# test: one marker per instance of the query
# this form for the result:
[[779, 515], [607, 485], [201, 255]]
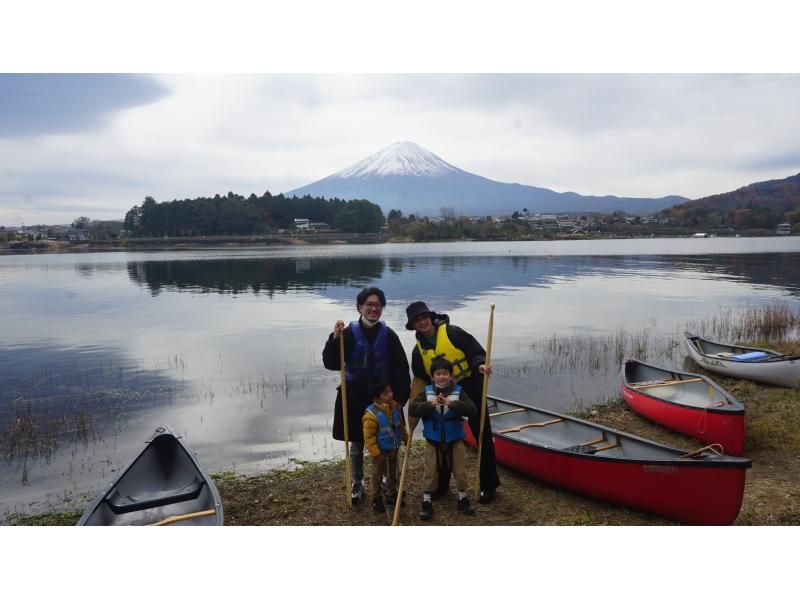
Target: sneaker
[[464, 506], [426, 512], [384, 487], [357, 492], [487, 496], [377, 505]]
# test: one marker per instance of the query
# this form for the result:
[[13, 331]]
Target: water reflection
[[251, 275], [448, 279]]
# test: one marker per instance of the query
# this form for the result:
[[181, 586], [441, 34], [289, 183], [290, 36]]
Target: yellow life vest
[[446, 349]]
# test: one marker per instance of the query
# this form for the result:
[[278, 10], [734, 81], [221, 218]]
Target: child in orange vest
[[384, 430]]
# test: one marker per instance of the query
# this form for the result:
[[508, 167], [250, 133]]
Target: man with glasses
[[372, 351]]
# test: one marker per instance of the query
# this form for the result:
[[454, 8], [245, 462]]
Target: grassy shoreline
[[313, 494]]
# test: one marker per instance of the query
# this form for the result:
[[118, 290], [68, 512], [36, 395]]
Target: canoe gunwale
[[728, 461]]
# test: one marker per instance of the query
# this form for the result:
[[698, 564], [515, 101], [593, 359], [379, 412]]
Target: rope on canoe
[[715, 448]]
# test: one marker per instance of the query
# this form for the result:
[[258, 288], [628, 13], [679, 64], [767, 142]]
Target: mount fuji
[[407, 177]]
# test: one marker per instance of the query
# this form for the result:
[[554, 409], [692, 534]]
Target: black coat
[[357, 395]]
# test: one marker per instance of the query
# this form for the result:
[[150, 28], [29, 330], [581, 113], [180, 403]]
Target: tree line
[[233, 214]]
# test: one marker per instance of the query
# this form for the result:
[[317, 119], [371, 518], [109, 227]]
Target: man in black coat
[[437, 337], [372, 351]]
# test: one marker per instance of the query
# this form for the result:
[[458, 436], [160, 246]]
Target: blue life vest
[[444, 425], [390, 436], [367, 360]]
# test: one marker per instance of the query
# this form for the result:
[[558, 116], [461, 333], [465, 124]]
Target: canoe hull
[[683, 490], [720, 421], [164, 480], [705, 425], [778, 370]]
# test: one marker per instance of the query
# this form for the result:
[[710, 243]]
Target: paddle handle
[[176, 518], [348, 482], [487, 363], [402, 482]]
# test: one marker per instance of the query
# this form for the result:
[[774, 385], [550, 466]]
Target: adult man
[[372, 351], [436, 337]]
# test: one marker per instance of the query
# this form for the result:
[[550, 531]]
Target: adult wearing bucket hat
[[436, 337], [372, 351]]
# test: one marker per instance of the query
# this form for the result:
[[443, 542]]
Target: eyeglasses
[[371, 305]]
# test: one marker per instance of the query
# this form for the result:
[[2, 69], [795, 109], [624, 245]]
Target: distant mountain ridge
[[777, 194], [405, 176], [759, 205]]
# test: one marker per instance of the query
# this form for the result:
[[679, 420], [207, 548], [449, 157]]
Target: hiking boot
[[426, 512], [377, 505], [487, 496], [357, 492], [464, 506]]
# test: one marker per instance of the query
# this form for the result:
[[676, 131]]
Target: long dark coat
[[357, 395]]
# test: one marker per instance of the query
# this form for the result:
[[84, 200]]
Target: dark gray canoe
[[165, 481]]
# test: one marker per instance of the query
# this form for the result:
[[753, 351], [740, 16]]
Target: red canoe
[[700, 487], [687, 403]]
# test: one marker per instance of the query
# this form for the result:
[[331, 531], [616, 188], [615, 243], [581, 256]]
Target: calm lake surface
[[224, 346]]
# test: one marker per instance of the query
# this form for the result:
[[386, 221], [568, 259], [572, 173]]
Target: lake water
[[224, 346]]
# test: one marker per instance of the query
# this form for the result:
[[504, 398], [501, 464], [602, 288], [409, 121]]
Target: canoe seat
[[120, 503]]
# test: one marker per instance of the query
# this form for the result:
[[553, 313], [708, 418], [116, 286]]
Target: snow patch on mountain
[[403, 158]]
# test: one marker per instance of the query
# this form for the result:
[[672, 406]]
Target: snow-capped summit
[[409, 178], [403, 158]]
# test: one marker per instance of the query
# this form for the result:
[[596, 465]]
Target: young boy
[[442, 407], [384, 429]]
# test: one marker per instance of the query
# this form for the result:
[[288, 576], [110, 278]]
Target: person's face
[[386, 395], [423, 324], [371, 309], [441, 377]]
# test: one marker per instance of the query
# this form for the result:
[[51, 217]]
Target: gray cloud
[[38, 104]]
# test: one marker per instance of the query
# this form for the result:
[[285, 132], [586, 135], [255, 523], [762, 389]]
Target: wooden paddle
[[175, 518], [664, 383], [487, 364], [402, 481], [417, 386], [343, 381]]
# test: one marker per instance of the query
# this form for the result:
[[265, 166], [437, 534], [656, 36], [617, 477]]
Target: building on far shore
[[306, 224], [783, 229]]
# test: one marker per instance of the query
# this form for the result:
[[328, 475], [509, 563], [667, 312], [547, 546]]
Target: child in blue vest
[[384, 430], [443, 406]]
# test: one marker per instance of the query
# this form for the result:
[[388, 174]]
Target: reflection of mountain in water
[[446, 281]]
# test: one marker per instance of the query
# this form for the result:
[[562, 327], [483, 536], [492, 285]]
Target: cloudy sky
[[95, 145]]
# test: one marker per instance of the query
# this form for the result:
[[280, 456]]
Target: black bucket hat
[[416, 309]]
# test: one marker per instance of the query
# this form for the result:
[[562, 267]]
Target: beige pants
[[436, 454]]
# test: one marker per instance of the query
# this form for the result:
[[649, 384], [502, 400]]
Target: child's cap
[[440, 363]]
